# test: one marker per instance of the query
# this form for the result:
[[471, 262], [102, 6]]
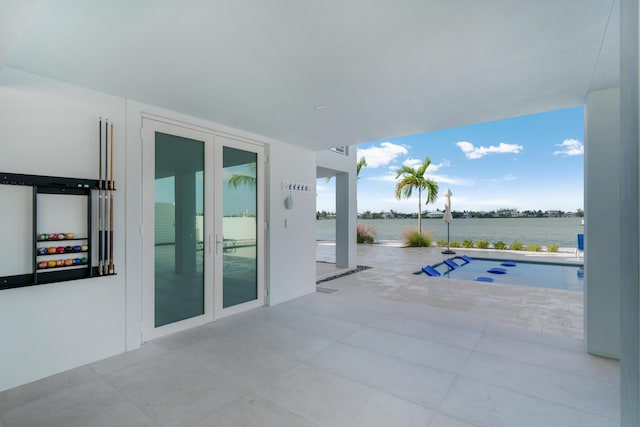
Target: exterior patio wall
[[292, 232], [630, 218], [49, 127], [344, 167], [601, 225]]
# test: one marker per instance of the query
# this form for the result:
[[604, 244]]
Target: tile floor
[[389, 348]]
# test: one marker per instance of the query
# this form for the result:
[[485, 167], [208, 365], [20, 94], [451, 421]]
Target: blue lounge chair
[[451, 263], [430, 271], [580, 247], [465, 258]]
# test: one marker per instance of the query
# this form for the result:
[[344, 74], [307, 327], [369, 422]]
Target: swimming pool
[[546, 275]]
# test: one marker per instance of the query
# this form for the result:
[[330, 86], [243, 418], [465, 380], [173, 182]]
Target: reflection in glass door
[[179, 243], [239, 224], [203, 248], [177, 259]]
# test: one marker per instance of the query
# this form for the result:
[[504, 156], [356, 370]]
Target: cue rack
[[64, 255]]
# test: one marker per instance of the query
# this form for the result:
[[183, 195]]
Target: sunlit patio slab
[[388, 347]]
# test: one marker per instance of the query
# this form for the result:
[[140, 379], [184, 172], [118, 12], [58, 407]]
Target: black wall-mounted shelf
[[48, 182], [54, 186]]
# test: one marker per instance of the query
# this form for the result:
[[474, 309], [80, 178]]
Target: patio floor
[[388, 348]]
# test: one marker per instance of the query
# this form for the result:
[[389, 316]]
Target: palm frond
[[239, 180]]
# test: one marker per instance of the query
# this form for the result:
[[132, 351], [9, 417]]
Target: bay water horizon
[[537, 231]]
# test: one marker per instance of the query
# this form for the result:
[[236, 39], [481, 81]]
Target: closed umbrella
[[448, 217]]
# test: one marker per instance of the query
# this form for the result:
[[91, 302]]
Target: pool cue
[[111, 207], [105, 253], [100, 204]]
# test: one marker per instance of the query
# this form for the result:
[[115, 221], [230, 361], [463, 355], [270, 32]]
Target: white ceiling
[[381, 68]]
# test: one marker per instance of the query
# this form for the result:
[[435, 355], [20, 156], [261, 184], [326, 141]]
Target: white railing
[[341, 150]]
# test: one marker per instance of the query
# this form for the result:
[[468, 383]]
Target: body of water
[[541, 231]]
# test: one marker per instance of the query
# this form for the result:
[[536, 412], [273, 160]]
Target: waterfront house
[[276, 85]]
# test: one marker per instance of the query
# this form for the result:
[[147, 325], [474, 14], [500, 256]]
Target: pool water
[[546, 275]]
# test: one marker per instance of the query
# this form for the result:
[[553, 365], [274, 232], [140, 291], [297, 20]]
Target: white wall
[[630, 218], [291, 249], [50, 128], [602, 227]]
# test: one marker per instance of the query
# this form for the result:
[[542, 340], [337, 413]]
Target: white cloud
[[381, 155], [504, 179], [435, 166], [473, 152], [389, 177], [451, 180], [570, 147], [412, 163]]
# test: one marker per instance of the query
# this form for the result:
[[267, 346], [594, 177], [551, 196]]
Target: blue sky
[[525, 163]]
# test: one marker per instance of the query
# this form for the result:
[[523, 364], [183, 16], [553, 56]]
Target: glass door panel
[[178, 229], [239, 225]]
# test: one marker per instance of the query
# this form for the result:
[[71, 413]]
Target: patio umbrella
[[448, 217]]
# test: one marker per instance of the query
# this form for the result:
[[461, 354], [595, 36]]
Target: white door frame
[[227, 141], [149, 128], [213, 224]]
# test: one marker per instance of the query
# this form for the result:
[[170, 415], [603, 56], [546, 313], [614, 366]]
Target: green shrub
[[412, 237], [467, 243], [365, 233], [534, 248], [482, 244], [516, 246], [552, 248], [500, 245], [454, 244], [441, 243]]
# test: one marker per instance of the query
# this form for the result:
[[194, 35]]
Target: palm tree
[[247, 180], [361, 163], [415, 179]]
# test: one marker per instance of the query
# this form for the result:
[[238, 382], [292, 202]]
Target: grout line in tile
[[536, 397]]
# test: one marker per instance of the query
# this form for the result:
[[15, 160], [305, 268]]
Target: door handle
[[209, 244], [218, 243]]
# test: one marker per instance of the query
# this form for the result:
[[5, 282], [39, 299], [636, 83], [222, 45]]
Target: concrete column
[[346, 220], [630, 216], [602, 209]]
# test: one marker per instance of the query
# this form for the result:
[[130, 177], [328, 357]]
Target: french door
[[202, 243]]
